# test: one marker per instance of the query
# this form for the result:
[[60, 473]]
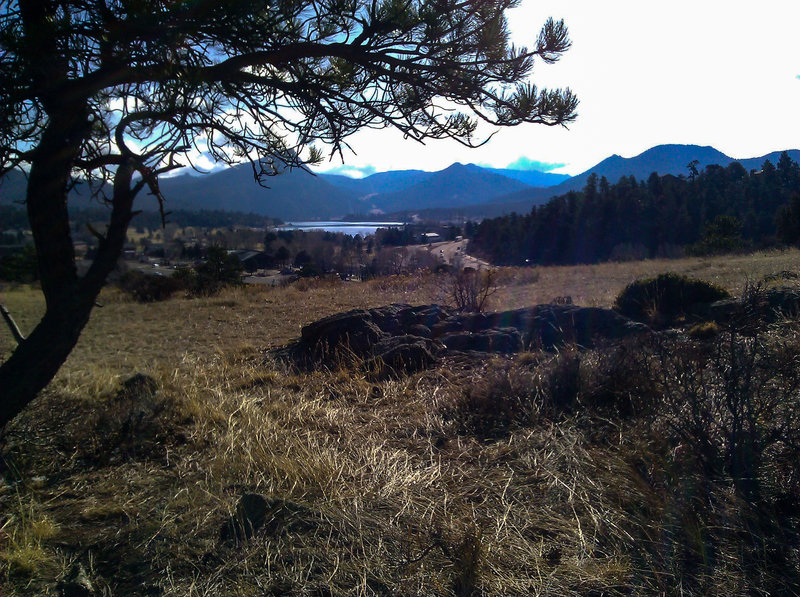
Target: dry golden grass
[[598, 285], [399, 501], [135, 336]]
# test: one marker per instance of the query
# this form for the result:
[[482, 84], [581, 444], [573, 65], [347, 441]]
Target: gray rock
[[724, 310], [429, 315], [420, 330], [501, 340], [389, 319], [555, 325], [397, 338], [353, 330], [772, 304], [399, 318], [402, 354], [783, 301]]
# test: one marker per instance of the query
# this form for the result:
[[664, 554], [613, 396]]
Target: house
[[431, 237], [253, 260]]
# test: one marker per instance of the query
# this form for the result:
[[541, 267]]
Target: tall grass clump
[[724, 426]]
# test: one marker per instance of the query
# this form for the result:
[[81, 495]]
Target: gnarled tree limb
[[12, 325]]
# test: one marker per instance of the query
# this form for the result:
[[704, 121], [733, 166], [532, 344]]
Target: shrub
[[469, 289], [500, 399], [733, 403], [310, 270], [220, 269], [723, 235], [616, 380], [704, 331], [20, 267], [147, 288], [663, 299], [563, 381], [517, 394]]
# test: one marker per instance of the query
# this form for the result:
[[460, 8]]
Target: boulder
[[774, 303], [354, 330], [429, 315], [783, 302], [400, 338], [722, 311], [399, 318], [420, 330], [501, 340], [555, 325], [403, 354], [389, 319]]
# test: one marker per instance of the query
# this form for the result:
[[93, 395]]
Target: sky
[[724, 73]]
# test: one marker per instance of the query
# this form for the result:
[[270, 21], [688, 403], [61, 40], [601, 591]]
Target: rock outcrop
[[767, 306], [402, 339]]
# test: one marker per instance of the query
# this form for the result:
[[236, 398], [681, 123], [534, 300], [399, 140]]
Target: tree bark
[[37, 360], [69, 299]]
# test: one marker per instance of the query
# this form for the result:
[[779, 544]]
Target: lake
[[351, 228]]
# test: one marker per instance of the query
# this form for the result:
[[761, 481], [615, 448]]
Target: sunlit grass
[[400, 499]]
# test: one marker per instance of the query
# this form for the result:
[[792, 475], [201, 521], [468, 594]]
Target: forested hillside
[[714, 210]]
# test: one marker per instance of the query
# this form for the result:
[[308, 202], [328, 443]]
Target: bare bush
[[733, 401], [498, 400], [469, 290], [511, 394], [615, 380]]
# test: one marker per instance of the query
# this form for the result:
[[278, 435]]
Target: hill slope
[[456, 186], [379, 183], [473, 191], [292, 195], [534, 178]]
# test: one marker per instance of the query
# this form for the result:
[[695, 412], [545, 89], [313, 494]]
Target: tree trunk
[[69, 299], [37, 360]]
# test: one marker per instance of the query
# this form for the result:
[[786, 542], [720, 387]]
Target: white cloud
[[706, 73], [524, 163], [349, 171]]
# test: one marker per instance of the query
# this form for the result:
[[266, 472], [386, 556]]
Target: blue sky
[[708, 72]]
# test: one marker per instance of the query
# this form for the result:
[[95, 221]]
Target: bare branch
[[12, 325]]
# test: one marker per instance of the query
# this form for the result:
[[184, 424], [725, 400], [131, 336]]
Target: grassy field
[[421, 485]]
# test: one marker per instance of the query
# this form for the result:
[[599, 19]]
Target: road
[[451, 252]]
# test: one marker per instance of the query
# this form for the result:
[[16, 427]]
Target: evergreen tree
[[120, 92], [787, 221]]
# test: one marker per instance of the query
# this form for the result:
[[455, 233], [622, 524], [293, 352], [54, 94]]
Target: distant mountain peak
[[667, 159], [470, 188]]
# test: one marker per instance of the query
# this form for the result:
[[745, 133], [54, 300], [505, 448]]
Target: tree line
[[16, 217], [718, 209]]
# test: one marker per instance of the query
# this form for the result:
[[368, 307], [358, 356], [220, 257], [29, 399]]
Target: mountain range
[[466, 190]]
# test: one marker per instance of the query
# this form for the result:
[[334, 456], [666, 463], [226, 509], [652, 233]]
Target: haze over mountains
[[466, 190]]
